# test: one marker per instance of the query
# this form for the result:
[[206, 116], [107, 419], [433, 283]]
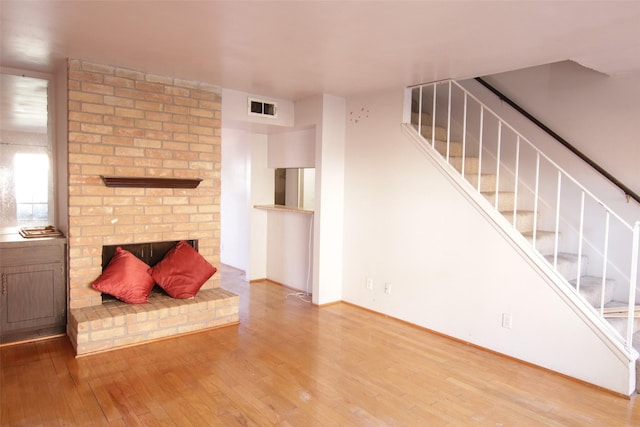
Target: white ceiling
[[294, 49]]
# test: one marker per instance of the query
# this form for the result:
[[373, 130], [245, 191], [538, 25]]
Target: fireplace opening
[[151, 253]]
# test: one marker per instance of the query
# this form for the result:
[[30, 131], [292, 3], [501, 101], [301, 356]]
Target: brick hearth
[[117, 324]]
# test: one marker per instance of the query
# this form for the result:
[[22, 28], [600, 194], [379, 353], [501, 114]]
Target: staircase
[[466, 157], [591, 287]]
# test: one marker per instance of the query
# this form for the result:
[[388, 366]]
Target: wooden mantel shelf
[[150, 182]]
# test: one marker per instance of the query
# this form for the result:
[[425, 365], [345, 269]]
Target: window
[[26, 179], [31, 172]]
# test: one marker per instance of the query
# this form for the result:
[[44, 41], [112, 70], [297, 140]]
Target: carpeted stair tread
[[455, 148], [620, 325], [567, 265], [506, 199], [524, 220], [427, 132], [487, 181], [591, 288], [545, 241], [471, 164]]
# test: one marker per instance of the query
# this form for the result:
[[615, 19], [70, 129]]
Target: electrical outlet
[[506, 320], [387, 288], [369, 283]]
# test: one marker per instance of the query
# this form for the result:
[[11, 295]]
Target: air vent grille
[[258, 107]]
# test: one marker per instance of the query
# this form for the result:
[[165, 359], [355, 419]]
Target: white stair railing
[[445, 113]]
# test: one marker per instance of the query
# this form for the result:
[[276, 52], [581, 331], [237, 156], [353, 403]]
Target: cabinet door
[[33, 298]]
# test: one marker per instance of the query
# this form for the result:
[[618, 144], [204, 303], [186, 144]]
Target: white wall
[[327, 113], [289, 249], [235, 198], [292, 149], [262, 190], [308, 189], [449, 270]]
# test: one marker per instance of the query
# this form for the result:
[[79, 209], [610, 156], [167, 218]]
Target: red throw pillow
[[126, 278], [182, 271]]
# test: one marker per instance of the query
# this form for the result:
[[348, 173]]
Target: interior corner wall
[[449, 269]]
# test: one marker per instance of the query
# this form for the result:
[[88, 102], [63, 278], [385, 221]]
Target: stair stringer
[[587, 314]]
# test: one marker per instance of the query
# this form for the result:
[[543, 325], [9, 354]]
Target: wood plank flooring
[[289, 363]]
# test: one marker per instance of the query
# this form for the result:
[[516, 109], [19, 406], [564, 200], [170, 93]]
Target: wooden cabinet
[[33, 297]]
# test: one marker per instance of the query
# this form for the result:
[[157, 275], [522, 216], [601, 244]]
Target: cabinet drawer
[[37, 254]]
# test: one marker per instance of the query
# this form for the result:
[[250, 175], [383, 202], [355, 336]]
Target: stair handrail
[[628, 192], [543, 155], [633, 228]]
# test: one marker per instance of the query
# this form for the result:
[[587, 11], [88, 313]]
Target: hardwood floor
[[292, 364]]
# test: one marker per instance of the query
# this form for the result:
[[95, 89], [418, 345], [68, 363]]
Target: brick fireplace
[[123, 122]]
